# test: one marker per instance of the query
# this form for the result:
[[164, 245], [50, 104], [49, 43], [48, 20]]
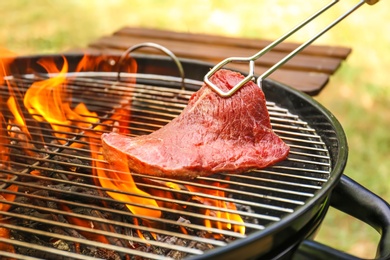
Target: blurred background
[[358, 94]]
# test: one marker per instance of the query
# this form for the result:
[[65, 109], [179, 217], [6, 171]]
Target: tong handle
[[251, 60]]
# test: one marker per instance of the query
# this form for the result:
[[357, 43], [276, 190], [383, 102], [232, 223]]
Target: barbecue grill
[[61, 200], [60, 210]]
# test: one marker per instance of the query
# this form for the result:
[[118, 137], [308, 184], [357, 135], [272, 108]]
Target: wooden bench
[[309, 71]]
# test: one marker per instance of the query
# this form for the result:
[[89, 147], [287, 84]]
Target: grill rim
[[308, 210]]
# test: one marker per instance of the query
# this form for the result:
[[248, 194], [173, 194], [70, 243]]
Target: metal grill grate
[[39, 225]]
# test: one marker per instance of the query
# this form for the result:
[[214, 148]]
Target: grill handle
[[355, 200]]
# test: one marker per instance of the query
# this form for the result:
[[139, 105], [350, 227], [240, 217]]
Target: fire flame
[[120, 179], [50, 100], [230, 217], [18, 118], [6, 57], [17, 127], [4, 232], [8, 197], [4, 151], [123, 181]]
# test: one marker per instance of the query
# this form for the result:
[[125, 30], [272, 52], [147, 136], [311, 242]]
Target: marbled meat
[[213, 134]]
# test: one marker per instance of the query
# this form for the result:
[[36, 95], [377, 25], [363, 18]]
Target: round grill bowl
[[289, 235]]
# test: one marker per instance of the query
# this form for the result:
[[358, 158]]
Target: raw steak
[[212, 134]]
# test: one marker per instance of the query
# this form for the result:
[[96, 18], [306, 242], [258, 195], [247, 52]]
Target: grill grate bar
[[310, 178], [259, 180], [309, 148], [270, 197], [243, 202], [102, 232], [100, 82], [300, 170], [238, 192], [119, 90], [308, 161], [313, 156], [124, 213], [45, 249], [81, 241], [199, 216], [306, 141], [309, 132], [262, 197], [297, 134], [276, 112]]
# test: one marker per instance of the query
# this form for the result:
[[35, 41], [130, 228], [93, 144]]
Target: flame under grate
[[60, 211]]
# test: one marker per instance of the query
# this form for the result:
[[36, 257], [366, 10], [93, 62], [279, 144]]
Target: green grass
[[358, 94]]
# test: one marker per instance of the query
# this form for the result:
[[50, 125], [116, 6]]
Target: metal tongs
[[251, 60]]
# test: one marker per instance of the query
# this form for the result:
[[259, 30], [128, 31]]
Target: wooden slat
[[318, 50], [309, 71], [216, 53]]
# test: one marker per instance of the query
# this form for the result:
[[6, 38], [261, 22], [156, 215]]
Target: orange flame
[[8, 197], [20, 132], [4, 151], [50, 100], [4, 157], [17, 127], [119, 178], [4, 232], [18, 118], [6, 57], [230, 217]]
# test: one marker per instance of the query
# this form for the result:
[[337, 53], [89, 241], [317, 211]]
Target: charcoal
[[67, 177], [103, 253], [83, 194]]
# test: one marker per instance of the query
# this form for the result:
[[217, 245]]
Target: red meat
[[212, 135]]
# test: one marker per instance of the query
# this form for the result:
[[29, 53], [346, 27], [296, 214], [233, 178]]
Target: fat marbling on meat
[[213, 134]]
